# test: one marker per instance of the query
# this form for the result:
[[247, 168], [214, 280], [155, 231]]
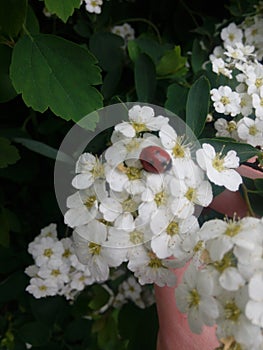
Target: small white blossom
[[42, 288], [194, 296], [231, 34], [225, 100], [219, 169], [93, 6], [226, 128], [251, 131]]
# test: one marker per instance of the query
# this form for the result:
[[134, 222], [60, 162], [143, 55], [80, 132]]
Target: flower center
[[90, 202], [252, 130], [136, 237], [55, 272], [232, 312], [133, 173], [231, 37], [218, 163], [154, 263], [129, 205], [231, 126], [98, 170], [43, 288], [94, 248], [132, 145], [258, 82], [191, 194], [227, 261], [194, 298], [233, 229], [48, 252], [160, 198], [139, 127], [173, 228], [67, 253], [225, 100], [178, 151]]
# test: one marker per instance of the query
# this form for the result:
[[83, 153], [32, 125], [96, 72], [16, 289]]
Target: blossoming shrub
[[59, 62]]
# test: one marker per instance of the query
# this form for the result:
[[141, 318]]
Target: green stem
[[145, 21], [245, 192], [27, 32]]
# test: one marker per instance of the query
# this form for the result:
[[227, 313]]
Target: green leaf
[[13, 286], [8, 153], [259, 184], [171, 63], [45, 150], [53, 72], [4, 228], [244, 150], [100, 297], [197, 105], [31, 24], [176, 99], [7, 91], [133, 50], [151, 47], [63, 9], [198, 56], [107, 49], [110, 82], [145, 78], [12, 16], [35, 333]]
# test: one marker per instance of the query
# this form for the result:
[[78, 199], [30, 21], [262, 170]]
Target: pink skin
[[174, 332]]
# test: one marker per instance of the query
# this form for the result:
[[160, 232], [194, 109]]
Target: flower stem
[[245, 192]]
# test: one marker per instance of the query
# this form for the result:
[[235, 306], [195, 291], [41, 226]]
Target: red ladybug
[[154, 159]]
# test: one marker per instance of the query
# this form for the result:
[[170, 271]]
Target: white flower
[[219, 66], [174, 145], [254, 79], [254, 307], [169, 234], [157, 195], [81, 279], [194, 296], [190, 190], [57, 274], [251, 131], [219, 169], [257, 102], [49, 251], [231, 34], [131, 288], [141, 119], [225, 100], [48, 231], [148, 268], [92, 249], [42, 288], [93, 6], [226, 128], [89, 168], [125, 31], [233, 322], [119, 209], [129, 178], [246, 107]]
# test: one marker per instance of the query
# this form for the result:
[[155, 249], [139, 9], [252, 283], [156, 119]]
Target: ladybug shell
[[155, 160]]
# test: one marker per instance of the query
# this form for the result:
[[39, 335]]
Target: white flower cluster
[[93, 6], [239, 59], [125, 31], [227, 287], [131, 290], [57, 270], [124, 213]]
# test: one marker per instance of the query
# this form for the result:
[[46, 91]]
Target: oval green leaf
[[197, 105], [145, 78], [55, 73], [63, 9]]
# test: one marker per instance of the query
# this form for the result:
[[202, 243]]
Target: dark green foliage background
[[35, 114]]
